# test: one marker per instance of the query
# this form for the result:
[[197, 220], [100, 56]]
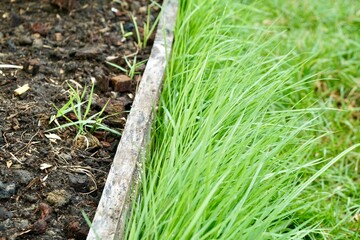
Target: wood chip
[[9, 163], [52, 137], [45, 166], [121, 83], [58, 37], [22, 89]]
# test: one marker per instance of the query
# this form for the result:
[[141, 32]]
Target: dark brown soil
[[45, 183]]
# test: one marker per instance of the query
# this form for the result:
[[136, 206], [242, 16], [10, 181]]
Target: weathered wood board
[[108, 222]]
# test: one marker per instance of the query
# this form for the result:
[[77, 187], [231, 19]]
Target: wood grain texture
[[109, 219]]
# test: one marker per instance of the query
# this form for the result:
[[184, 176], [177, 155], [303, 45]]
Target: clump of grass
[[80, 107], [132, 66], [237, 151], [329, 37], [148, 26]]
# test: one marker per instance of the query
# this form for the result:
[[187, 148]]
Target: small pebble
[[58, 198], [58, 37], [11, 46], [135, 6], [37, 43], [7, 190], [143, 10], [121, 83], [21, 224], [45, 210], [40, 28], [25, 40], [124, 5], [79, 182], [128, 27], [23, 176], [70, 66], [39, 226], [30, 198], [5, 214], [15, 20], [58, 29], [77, 230]]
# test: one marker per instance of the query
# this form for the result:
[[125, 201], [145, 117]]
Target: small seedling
[[88, 222], [137, 31], [84, 122], [123, 33], [132, 66], [118, 67], [148, 29]]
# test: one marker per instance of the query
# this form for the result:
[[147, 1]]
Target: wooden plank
[[108, 222]]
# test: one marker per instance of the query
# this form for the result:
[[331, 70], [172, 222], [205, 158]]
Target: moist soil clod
[[46, 181]]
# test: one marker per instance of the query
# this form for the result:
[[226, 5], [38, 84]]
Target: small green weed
[[148, 28], [123, 33], [84, 122], [132, 66], [88, 222]]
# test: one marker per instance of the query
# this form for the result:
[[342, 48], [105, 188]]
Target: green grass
[[256, 135], [147, 26], [132, 66], [79, 104]]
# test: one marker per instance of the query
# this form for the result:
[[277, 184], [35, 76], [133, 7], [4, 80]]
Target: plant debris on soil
[[48, 178]]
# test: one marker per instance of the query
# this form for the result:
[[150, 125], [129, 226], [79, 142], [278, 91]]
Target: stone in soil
[[77, 230], [31, 198], [39, 226], [7, 224], [121, 83], [58, 198], [25, 40], [21, 224], [5, 214], [45, 210], [15, 20], [23, 176], [40, 28], [7, 190], [79, 182], [102, 80], [113, 106], [37, 43]]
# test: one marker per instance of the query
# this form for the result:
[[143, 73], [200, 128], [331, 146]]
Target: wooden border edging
[[108, 223]]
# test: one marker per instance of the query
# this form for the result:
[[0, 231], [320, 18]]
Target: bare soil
[[46, 184]]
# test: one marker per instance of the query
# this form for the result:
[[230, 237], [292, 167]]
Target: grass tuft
[[80, 107], [256, 136]]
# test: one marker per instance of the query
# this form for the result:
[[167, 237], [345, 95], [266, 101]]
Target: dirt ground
[[46, 183]]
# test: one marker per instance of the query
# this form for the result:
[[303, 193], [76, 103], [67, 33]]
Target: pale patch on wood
[[109, 219]]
